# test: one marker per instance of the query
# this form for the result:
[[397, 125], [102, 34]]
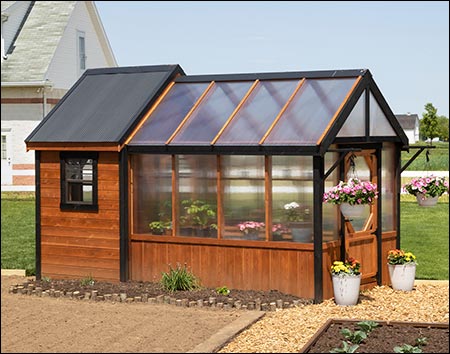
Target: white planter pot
[[426, 201], [352, 211], [402, 276], [346, 289]]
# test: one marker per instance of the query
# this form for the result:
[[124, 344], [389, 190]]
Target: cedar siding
[[78, 244]]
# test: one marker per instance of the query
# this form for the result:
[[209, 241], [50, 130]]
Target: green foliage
[[89, 280], [429, 122], [443, 128], [179, 278], [345, 348], [422, 341], [46, 279], [406, 348], [198, 214], [18, 233], [355, 337], [367, 326], [158, 227], [223, 290]]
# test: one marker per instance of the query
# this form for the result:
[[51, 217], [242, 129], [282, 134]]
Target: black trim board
[[123, 214]]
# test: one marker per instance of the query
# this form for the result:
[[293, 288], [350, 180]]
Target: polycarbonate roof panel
[[379, 124], [168, 115], [355, 124], [212, 113], [309, 113], [257, 113]]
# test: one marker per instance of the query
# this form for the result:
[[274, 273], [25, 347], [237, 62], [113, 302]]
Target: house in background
[[410, 124], [46, 47]]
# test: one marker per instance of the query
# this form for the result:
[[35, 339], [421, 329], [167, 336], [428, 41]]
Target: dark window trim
[[63, 185]]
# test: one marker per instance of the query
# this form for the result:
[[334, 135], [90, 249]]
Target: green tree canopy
[[443, 128], [429, 123]]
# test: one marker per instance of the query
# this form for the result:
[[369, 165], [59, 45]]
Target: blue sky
[[405, 45]]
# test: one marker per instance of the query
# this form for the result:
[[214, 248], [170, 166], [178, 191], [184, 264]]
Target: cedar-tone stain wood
[[78, 244]]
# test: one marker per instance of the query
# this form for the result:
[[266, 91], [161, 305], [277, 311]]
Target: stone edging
[[30, 289]]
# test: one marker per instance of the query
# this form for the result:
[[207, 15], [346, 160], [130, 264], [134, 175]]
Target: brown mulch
[[288, 331], [147, 290]]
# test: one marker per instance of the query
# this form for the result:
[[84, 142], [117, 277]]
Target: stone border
[[10, 272], [257, 305]]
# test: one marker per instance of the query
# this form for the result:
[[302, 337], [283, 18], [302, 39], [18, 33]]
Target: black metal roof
[[104, 105]]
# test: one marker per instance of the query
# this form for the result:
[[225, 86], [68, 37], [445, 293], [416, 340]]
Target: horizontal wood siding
[[288, 270], [77, 244]]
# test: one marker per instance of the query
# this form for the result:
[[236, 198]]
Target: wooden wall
[[232, 264], [80, 244]]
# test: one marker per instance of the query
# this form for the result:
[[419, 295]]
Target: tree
[[443, 128], [429, 123]]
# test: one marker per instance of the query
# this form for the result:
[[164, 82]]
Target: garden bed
[[133, 291], [383, 338]]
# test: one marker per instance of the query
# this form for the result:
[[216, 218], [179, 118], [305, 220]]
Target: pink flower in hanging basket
[[431, 186], [354, 192]]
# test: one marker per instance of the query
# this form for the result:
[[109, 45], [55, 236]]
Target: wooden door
[[360, 232]]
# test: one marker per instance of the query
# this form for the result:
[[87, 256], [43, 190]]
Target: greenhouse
[[141, 167]]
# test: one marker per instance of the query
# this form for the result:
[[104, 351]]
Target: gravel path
[[287, 331]]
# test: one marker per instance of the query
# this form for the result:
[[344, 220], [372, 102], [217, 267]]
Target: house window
[[79, 181], [81, 51]]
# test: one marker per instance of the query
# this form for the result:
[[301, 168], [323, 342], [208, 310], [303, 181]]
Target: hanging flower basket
[[352, 211], [352, 196], [427, 189]]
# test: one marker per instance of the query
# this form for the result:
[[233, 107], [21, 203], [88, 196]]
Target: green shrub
[[179, 278]]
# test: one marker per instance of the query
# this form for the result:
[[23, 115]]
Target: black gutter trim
[[225, 150], [398, 178], [318, 174], [135, 69], [274, 75], [37, 196], [123, 214]]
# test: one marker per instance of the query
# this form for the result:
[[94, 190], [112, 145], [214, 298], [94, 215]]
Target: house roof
[[407, 121], [284, 112], [104, 105], [49, 17]]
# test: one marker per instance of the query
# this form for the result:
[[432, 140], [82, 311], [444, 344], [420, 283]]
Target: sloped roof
[[407, 121], [274, 113], [104, 105], [6, 4], [49, 17]]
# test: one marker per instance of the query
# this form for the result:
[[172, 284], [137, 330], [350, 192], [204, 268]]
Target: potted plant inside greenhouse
[[298, 221], [427, 190], [199, 218]]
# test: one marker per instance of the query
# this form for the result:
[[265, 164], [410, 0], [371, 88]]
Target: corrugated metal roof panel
[[103, 105]]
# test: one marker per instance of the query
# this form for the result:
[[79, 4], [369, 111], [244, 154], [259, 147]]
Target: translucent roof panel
[[355, 125], [257, 113], [165, 119], [309, 113], [212, 113], [379, 124]]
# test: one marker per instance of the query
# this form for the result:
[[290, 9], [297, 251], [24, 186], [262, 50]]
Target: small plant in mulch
[[179, 278], [89, 280], [353, 339], [223, 290]]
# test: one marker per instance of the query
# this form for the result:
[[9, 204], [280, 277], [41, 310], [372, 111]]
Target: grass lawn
[[438, 158], [424, 231]]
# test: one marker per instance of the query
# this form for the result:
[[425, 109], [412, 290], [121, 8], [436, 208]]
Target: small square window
[[79, 181]]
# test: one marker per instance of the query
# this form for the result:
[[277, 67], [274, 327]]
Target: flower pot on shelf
[[346, 289], [402, 276], [352, 211], [301, 231], [424, 201], [252, 235]]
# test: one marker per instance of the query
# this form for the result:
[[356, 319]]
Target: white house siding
[[63, 69], [411, 135], [15, 12], [20, 119]]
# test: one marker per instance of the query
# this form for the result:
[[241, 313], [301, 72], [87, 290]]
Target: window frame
[[80, 205], [81, 56]]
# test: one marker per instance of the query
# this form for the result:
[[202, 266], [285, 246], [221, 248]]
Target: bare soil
[[32, 324], [384, 338]]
